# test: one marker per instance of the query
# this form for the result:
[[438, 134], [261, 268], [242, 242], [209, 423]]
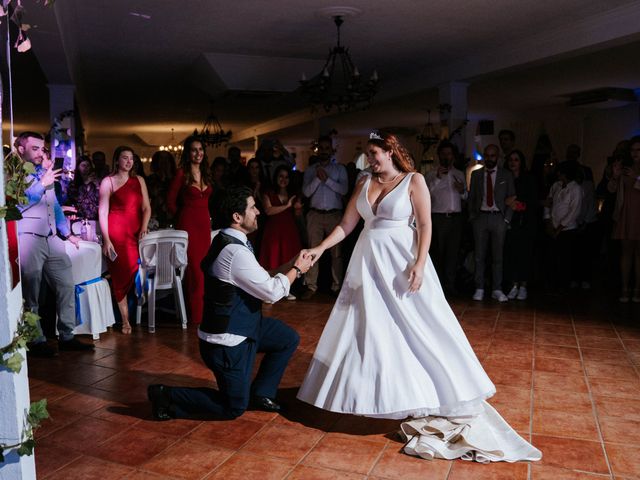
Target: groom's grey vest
[[227, 308], [40, 218]]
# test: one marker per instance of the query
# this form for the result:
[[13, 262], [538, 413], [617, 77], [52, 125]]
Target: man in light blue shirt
[[325, 184], [42, 232]]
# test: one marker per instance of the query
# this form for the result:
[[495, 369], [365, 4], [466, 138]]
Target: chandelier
[[430, 137], [339, 84], [212, 133], [173, 147]]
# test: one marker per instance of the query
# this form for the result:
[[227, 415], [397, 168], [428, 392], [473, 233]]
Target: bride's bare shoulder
[[418, 181], [361, 181]]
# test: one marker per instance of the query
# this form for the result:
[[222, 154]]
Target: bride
[[392, 347]]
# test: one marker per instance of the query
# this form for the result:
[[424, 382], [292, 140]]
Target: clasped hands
[[311, 254], [322, 174]]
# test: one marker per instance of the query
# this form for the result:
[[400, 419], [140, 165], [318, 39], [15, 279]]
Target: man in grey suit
[[42, 232], [491, 193]]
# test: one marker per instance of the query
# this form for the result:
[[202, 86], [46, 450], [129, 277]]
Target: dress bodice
[[394, 210], [127, 199]]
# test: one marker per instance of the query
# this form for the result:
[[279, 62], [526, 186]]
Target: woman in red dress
[[281, 240], [188, 201], [124, 213]]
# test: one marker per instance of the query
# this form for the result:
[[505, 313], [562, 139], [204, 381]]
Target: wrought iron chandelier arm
[[342, 89]]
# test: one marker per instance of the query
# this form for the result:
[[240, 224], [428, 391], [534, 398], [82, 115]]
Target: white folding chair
[[163, 260]]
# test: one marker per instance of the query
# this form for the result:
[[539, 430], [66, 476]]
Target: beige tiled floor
[[566, 370]]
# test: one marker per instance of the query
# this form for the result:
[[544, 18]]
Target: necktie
[[489, 188], [249, 246]]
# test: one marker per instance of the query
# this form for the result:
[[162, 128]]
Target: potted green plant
[[16, 182]]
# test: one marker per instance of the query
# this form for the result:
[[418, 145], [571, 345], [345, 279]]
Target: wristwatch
[[298, 271]]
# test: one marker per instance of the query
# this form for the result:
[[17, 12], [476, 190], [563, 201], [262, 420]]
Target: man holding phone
[[42, 232], [447, 189]]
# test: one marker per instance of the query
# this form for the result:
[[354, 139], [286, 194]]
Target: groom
[[233, 329]]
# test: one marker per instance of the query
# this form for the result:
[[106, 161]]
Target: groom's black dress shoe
[[160, 402], [266, 404]]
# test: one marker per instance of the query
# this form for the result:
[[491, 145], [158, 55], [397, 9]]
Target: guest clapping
[[124, 213], [281, 240]]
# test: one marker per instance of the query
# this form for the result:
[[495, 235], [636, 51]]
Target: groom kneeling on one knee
[[233, 329]]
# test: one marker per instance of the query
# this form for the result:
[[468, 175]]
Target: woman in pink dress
[[124, 213], [188, 201], [280, 240]]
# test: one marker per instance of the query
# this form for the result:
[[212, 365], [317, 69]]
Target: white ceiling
[[145, 66]]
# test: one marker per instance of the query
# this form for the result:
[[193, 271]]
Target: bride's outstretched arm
[[345, 227], [421, 202]]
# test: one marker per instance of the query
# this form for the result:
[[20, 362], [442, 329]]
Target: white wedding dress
[[387, 353]]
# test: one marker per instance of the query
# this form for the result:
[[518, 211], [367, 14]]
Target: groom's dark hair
[[233, 201]]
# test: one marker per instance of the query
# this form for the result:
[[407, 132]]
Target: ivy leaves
[[16, 182], [37, 413], [27, 331], [11, 359]]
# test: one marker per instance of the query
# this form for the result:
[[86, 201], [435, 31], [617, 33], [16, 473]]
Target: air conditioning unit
[[606, 97]]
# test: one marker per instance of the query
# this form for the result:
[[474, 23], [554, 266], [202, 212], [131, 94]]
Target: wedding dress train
[[387, 353]]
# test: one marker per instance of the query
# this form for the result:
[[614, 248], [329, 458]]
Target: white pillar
[[61, 99], [14, 387], [455, 94]]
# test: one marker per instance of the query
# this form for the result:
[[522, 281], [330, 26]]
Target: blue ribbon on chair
[[138, 280], [80, 290]]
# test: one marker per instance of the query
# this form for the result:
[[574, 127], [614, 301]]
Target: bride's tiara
[[375, 136]]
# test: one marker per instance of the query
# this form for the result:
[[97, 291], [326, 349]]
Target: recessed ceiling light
[[344, 12], [140, 15]]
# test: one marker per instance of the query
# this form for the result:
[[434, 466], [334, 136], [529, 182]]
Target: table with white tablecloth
[[94, 309]]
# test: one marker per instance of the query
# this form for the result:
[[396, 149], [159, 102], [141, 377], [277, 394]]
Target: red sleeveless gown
[[125, 220], [191, 206]]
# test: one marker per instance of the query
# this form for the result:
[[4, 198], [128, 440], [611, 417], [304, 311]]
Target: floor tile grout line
[[594, 409], [61, 467], [635, 367], [375, 463], [300, 462], [180, 438], [449, 471]]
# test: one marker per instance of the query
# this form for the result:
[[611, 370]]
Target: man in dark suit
[[491, 193], [233, 329]]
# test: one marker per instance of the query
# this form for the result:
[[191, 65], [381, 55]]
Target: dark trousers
[[489, 228], [566, 257], [445, 246], [589, 243], [232, 367], [518, 254]]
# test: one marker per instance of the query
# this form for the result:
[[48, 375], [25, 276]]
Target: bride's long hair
[[399, 155]]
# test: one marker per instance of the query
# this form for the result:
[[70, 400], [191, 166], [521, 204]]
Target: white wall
[[603, 129], [14, 387]]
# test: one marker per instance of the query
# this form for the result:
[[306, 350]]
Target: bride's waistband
[[385, 223]]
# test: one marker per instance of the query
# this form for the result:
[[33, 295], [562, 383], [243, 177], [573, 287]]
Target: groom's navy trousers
[[232, 367]]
